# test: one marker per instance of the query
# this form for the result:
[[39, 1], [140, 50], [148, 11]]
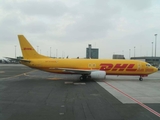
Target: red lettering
[[117, 67], [130, 67], [106, 67], [121, 67]]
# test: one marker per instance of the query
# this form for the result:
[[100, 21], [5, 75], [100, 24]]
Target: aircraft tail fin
[[27, 50]]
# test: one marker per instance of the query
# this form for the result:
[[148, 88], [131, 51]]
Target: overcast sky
[[68, 26]]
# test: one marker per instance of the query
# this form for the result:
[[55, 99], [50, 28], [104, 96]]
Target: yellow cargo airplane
[[87, 68]]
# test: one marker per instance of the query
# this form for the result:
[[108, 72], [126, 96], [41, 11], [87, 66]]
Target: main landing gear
[[84, 77], [140, 78]]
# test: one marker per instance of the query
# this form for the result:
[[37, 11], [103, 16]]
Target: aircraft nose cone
[[155, 69]]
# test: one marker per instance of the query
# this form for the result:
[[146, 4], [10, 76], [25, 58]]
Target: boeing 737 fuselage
[[87, 68]]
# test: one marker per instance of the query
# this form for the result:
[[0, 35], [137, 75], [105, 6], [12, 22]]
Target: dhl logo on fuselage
[[117, 67], [27, 49]]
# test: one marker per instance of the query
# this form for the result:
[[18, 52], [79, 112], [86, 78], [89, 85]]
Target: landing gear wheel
[[83, 77], [140, 79], [89, 77]]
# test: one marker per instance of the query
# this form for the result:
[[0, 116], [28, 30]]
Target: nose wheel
[[140, 78]]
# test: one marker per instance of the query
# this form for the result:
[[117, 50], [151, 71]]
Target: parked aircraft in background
[[12, 60], [4, 61], [87, 68], [1, 60]]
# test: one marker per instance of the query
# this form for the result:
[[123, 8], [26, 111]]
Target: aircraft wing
[[74, 71]]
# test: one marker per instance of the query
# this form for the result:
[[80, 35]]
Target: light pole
[[15, 51], [122, 52], [152, 53], [62, 55], [37, 48], [129, 53], [155, 43], [134, 51], [56, 53], [152, 50], [50, 51]]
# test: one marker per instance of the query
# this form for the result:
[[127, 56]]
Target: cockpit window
[[148, 65]]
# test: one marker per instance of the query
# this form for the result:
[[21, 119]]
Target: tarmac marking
[[62, 106], [76, 83], [20, 74], [54, 78], [79, 83], [61, 113], [24, 73], [68, 82], [2, 72], [135, 100]]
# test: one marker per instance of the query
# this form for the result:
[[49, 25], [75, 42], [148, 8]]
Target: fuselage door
[[139, 66]]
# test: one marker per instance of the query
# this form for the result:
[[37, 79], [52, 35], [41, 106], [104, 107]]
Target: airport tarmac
[[29, 94]]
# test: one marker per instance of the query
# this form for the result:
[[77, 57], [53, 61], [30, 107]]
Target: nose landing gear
[[140, 78]]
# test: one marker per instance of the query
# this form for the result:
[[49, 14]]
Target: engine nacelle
[[98, 74]]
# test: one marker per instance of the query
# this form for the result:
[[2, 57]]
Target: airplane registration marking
[[117, 67], [51, 61], [27, 49]]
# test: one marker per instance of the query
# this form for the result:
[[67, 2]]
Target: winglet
[[27, 50]]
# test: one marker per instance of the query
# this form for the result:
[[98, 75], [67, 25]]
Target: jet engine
[[98, 74]]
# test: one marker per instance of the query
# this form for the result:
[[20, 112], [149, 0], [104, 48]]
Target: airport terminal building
[[92, 52], [118, 56], [155, 61]]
